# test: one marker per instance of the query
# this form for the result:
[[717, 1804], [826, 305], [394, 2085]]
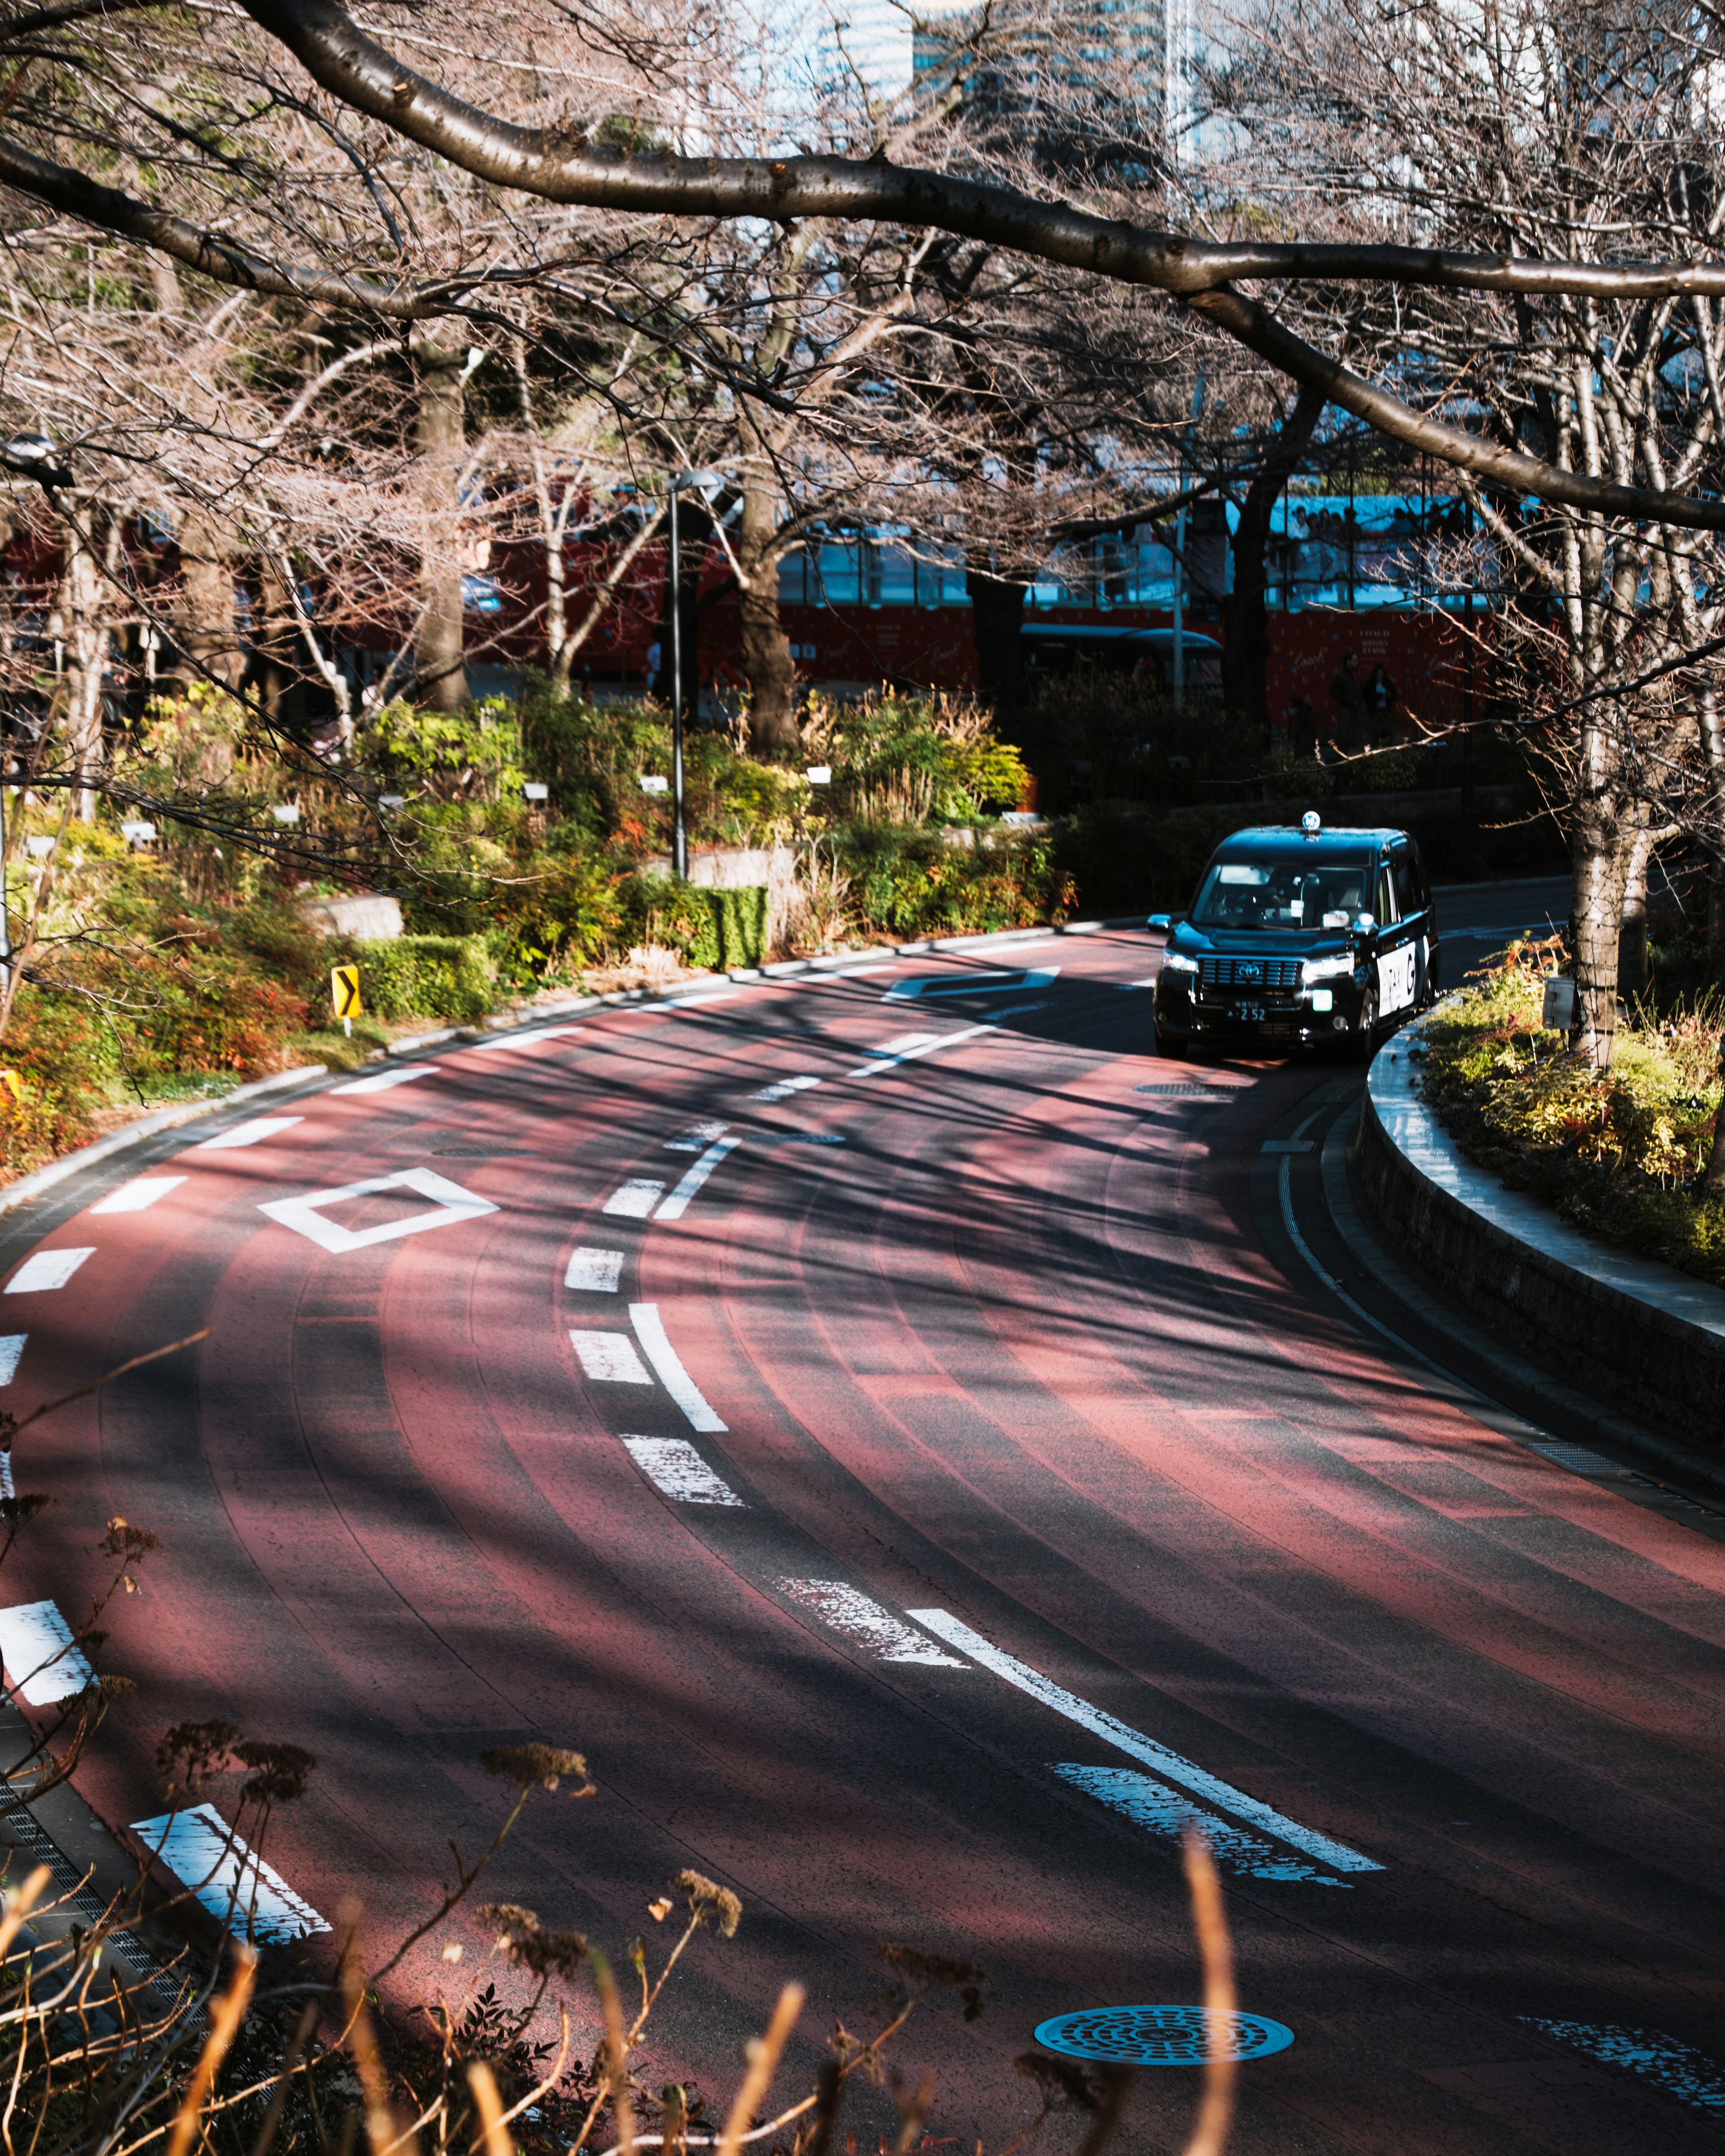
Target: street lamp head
[[700, 482]]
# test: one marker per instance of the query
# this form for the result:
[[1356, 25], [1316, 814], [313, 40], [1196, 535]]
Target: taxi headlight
[[1326, 969], [1177, 961]]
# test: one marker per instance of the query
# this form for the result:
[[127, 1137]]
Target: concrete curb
[[1644, 1337], [161, 1119]]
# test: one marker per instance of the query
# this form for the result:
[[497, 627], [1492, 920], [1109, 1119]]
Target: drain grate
[[1187, 1092], [1161, 2035]]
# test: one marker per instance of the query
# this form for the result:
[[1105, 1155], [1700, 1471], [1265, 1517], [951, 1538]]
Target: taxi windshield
[[1280, 895]]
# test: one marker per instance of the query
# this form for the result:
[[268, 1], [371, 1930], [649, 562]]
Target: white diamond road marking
[[41, 1662], [696, 1137], [635, 1200], [609, 1358], [1006, 983], [254, 1133], [677, 1470], [677, 1204], [782, 1088], [451, 1204], [231, 1881], [1164, 1810], [888, 1638], [594, 1272], [1683, 2072], [12, 1346], [649, 1330], [385, 1079], [45, 1269], [1124, 1739], [136, 1197]]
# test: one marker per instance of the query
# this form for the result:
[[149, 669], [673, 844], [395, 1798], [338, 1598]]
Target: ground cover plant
[[1620, 1152]]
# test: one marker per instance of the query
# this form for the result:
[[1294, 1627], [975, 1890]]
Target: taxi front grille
[[1257, 976]]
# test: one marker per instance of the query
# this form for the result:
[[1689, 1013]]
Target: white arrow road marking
[[1164, 1810], [677, 1204], [635, 1200], [385, 1079], [649, 1330], [1210, 1787], [782, 1088], [594, 1272], [1007, 981], [45, 1269], [609, 1358], [248, 1134], [452, 1204], [674, 1467], [135, 1197], [10, 1347], [42, 1663], [232, 1882], [888, 1638], [910, 1046]]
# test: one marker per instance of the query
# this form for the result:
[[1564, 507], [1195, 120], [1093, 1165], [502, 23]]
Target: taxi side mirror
[[1365, 924], [1162, 921]]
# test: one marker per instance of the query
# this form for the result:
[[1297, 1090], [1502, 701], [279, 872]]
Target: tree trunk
[[84, 635], [1245, 652], [997, 615], [439, 648], [1632, 938], [209, 631], [765, 649], [1597, 865]]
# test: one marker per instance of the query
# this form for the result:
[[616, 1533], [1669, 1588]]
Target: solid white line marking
[[248, 1134], [522, 1039], [635, 1200], [902, 1043], [677, 1470], [47, 1269], [135, 1196], [1683, 2072], [696, 1002], [887, 1637], [10, 1347], [42, 1664], [1284, 1191], [232, 1882], [649, 1330], [609, 1358], [594, 1272], [677, 1204], [908, 1053], [782, 1088], [385, 1079], [1136, 1746], [1164, 1810], [696, 1137], [452, 1204]]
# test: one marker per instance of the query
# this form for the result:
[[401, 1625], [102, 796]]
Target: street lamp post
[[706, 483]]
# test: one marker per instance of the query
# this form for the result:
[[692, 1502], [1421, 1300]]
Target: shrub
[[424, 976]]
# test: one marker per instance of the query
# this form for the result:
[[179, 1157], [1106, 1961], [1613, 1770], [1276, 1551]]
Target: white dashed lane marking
[[12, 1346], [677, 1470], [386, 1078], [1190, 1776], [609, 1358], [1166, 1811], [594, 1271], [523, 1040], [656, 1346], [42, 1663], [45, 1269], [910, 1046], [252, 1133], [853, 1615], [635, 1200], [138, 1196], [782, 1089], [677, 1204], [696, 1137], [231, 1881]]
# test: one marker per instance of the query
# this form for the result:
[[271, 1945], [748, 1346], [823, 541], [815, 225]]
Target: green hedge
[[424, 976], [735, 931]]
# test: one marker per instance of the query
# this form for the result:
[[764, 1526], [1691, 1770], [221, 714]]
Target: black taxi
[[1300, 935]]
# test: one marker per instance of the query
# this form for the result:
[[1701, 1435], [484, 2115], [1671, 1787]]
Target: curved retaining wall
[[1638, 1335]]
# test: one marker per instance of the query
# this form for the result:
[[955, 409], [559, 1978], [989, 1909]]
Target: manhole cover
[[1186, 1092], [1160, 2036]]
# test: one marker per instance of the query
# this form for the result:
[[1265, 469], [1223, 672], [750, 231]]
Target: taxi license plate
[[1249, 1013]]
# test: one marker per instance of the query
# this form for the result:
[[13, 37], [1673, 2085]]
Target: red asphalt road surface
[[1013, 1350]]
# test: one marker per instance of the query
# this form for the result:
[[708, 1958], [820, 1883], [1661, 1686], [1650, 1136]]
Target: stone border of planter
[[1624, 1330]]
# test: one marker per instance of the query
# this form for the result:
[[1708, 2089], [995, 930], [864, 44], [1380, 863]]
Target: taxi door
[[1399, 951]]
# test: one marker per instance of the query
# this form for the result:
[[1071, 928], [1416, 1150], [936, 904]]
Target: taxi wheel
[[1170, 1048], [1365, 1039]]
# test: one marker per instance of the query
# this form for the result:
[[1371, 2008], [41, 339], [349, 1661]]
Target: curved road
[[918, 1480]]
